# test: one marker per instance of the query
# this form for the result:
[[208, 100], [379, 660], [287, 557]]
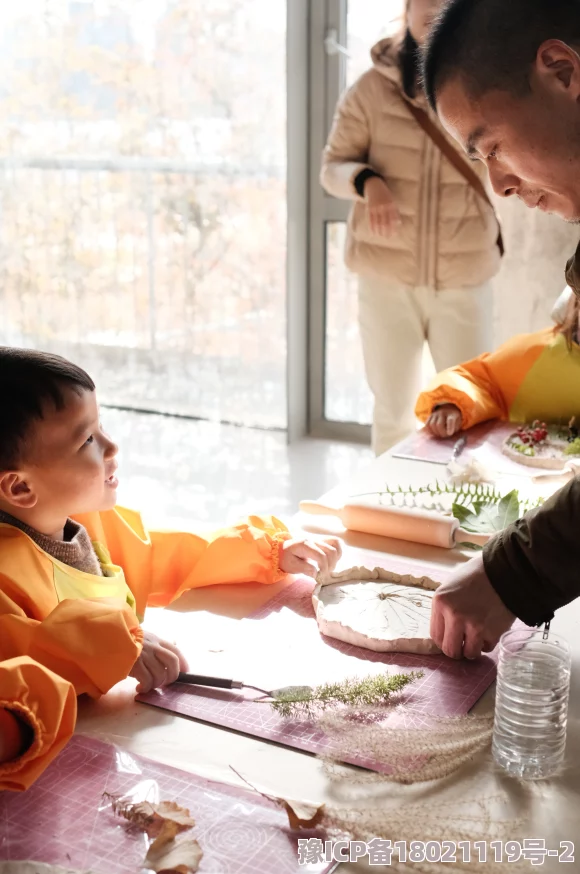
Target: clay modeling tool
[[458, 448], [223, 683], [417, 526]]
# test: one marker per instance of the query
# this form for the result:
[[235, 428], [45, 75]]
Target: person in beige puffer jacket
[[421, 240]]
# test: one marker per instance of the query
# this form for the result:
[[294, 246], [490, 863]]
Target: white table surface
[[550, 810]]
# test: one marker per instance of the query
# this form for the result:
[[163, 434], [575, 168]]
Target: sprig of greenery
[[463, 493], [368, 692], [573, 448], [479, 501]]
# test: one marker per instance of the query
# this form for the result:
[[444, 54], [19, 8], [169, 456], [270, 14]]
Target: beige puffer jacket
[[448, 234]]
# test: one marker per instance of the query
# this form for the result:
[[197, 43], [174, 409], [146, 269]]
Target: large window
[[340, 398], [142, 198]]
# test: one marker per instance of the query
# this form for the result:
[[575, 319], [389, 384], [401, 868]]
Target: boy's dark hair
[[28, 381], [492, 44]]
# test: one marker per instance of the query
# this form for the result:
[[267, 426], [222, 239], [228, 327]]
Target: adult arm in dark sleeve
[[534, 565]]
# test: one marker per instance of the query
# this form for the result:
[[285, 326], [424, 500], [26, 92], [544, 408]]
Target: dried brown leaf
[[175, 857], [300, 815], [152, 817], [167, 833]]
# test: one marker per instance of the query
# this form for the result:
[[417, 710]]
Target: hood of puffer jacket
[[385, 58]]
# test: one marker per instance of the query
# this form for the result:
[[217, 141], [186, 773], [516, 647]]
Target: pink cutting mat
[[423, 446], [484, 443], [64, 820], [282, 642]]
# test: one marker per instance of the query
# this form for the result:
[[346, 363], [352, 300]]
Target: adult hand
[[158, 665], [468, 616], [383, 214], [310, 555], [445, 421]]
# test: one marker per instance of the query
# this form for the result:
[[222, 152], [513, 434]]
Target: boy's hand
[[445, 421], [310, 555], [158, 665], [383, 214]]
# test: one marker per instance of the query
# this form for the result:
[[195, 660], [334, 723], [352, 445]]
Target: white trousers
[[395, 321]]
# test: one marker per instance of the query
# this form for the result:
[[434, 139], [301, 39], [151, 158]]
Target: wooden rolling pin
[[418, 526]]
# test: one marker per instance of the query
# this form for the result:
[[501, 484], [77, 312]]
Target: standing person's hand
[[468, 616], [384, 216], [445, 421]]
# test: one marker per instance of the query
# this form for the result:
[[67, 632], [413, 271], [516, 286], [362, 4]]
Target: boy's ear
[[16, 491]]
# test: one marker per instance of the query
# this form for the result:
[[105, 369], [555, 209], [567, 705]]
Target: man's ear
[[558, 67], [16, 490]]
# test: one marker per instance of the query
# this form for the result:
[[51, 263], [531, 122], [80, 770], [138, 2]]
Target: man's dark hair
[[492, 44], [29, 381]]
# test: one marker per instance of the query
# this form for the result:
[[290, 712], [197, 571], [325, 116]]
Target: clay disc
[[376, 610]]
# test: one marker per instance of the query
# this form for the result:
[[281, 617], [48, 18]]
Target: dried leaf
[[300, 815], [169, 811], [152, 817], [168, 832], [175, 857]]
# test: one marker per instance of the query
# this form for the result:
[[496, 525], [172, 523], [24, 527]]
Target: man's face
[[530, 144]]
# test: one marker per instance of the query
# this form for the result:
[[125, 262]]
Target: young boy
[[37, 717], [532, 376], [76, 572]]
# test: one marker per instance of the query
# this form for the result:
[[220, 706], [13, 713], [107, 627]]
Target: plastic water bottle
[[531, 704]]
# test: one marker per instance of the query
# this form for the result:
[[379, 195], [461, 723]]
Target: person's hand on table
[[468, 616], [158, 665], [309, 555], [383, 214], [445, 421]]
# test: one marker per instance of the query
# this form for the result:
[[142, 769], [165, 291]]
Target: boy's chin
[[109, 499]]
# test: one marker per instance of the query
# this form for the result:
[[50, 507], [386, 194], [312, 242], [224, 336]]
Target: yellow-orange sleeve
[[243, 553], [485, 387], [47, 704], [160, 565], [470, 388], [92, 644]]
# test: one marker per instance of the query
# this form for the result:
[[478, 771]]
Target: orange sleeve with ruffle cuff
[[92, 644], [470, 387], [486, 387], [47, 705], [244, 553]]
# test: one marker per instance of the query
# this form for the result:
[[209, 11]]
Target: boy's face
[[69, 462]]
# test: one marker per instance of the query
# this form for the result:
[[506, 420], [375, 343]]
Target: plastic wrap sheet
[[66, 818]]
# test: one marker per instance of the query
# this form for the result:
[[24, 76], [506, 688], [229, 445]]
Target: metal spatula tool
[[223, 683]]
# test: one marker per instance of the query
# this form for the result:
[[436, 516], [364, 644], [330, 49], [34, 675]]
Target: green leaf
[[461, 512], [488, 517], [509, 509]]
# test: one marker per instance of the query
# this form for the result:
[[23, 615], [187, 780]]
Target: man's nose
[[504, 184]]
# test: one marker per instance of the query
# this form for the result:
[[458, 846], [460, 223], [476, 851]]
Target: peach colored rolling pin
[[418, 526]]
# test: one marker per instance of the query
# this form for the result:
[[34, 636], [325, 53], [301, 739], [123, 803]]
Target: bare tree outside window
[[143, 201]]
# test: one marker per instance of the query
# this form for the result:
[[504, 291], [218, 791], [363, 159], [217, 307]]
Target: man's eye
[[492, 154], [89, 440]]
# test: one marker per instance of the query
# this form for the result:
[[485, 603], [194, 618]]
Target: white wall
[[532, 274]]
